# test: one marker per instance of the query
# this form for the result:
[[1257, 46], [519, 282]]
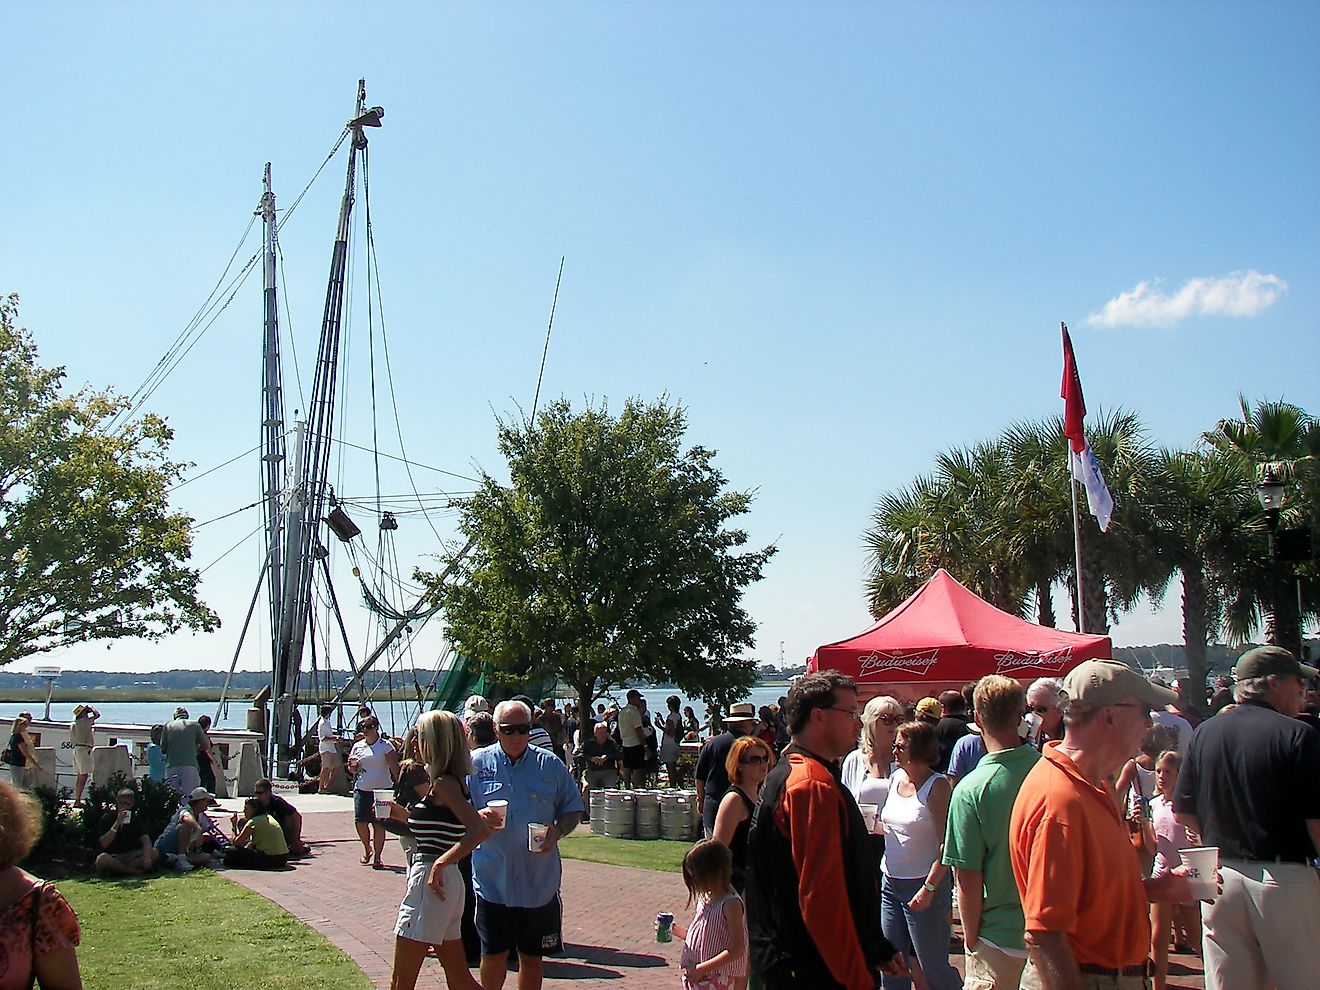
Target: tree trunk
[[1095, 598], [1044, 603], [586, 696], [1194, 635]]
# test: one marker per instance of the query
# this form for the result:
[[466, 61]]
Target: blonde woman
[[20, 761], [446, 828], [866, 769], [749, 761]]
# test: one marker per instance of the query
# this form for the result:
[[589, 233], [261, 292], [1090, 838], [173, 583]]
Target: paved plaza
[[609, 912]]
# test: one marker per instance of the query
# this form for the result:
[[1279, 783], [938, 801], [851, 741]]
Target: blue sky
[[842, 235]]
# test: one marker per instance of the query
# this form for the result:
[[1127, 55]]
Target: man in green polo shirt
[[976, 840]]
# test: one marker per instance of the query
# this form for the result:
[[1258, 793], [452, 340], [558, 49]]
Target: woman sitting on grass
[[446, 828], [39, 932], [260, 844]]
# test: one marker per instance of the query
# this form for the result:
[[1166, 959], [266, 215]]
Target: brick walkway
[[609, 914]]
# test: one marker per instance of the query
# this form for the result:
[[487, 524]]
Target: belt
[[1140, 969]]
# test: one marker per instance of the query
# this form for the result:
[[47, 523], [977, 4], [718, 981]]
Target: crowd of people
[[1058, 822]]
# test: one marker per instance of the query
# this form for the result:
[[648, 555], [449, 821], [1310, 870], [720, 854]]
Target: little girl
[[715, 944]]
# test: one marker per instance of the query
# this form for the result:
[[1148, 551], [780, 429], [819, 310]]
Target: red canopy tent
[[944, 636]]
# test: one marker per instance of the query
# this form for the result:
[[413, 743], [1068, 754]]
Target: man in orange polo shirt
[[1083, 899]]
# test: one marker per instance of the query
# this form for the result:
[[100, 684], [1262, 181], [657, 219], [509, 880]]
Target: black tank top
[[738, 845], [435, 827]]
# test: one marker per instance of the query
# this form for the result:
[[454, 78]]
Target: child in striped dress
[[715, 944]]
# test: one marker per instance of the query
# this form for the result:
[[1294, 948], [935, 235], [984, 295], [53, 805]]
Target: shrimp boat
[[304, 525]]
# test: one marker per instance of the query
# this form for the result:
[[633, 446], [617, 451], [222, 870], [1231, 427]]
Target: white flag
[[1086, 469]]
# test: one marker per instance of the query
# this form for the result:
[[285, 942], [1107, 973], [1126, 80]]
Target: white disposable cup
[[501, 809], [382, 807], [536, 834], [1201, 862], [869, 812]]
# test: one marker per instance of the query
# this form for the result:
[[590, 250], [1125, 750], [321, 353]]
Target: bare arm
[[1313, 827], [971, 901], [1055, 964], [446, 791], [940, 793], [58, 970], [1193, 824], [732, 813], [732, 910], [109, 836]]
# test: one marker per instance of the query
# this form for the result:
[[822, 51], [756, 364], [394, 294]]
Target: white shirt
[[1178, 726], [630, 724], [326, 733], [373, 769]]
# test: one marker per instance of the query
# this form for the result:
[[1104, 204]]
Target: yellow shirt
[[267, 836]]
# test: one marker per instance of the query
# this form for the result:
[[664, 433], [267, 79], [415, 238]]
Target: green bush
[[155, 805], [59, 827]]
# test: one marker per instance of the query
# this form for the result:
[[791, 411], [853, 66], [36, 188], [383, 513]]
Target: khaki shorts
[[330, 760], [82, 760], [133, 860]]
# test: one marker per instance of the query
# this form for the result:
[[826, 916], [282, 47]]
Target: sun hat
[[1096, 683], [476, 703], [1266, 660], [180, 712], [743, 711], [930, 708]]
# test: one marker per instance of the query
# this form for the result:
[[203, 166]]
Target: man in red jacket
[[813, 899]]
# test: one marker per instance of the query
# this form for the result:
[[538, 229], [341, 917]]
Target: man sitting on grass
[[290, 821], [180, 845], [124, 842], [259, 844]]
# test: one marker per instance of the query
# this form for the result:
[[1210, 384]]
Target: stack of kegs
[[677, 820]]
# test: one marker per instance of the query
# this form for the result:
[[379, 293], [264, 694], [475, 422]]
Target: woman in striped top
[[446, 828]]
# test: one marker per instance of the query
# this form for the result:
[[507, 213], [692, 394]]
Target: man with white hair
[[518, 906], [1045, 698], [1248, 786]]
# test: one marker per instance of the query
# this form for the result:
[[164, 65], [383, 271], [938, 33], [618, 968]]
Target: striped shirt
[[435, 827]]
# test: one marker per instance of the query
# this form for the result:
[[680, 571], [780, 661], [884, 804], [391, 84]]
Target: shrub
[[59, 829], [155, 805]]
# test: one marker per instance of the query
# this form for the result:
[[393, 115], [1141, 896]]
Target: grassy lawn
[[647, 854], [198, 929]]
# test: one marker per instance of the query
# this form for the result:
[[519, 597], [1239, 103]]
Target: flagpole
[[1077, 547]]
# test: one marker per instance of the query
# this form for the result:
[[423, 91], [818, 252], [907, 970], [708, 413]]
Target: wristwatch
[[928, 886]]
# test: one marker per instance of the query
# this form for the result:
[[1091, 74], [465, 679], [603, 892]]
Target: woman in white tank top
[[917, 894]]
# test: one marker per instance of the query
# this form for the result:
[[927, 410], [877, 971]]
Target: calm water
[[394, 717]]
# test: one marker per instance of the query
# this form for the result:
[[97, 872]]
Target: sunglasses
[[521, 729], [899, 747], [755, 760], [891, 719]]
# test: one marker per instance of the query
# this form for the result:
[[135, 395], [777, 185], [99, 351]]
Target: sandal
[[366, 858], [378, 865]]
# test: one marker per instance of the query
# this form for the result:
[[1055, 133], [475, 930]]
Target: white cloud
[[1237, 294]]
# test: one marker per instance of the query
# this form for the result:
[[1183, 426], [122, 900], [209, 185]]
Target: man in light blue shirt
[[518, 889]]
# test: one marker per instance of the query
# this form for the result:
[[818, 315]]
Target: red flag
[[1074, 406]]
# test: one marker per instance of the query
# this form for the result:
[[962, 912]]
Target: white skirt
[[423, 916]]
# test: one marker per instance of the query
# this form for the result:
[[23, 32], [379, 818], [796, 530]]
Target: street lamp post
[[1270, 491]]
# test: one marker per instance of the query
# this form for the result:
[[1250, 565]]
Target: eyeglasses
[[1038, 709], [755, 760], [521, 729], [891, 719], [899, 747], [855, 713]]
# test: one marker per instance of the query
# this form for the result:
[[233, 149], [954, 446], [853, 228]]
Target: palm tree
[[1284, 439], [1207, 518], [1041, 538]]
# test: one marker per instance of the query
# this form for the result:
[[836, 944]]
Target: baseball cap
[[180, 712], [930, 708], [1266, 660], [199, 794], [1096, 683]]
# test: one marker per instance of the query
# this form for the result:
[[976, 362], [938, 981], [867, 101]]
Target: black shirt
[[948, 731], [128, 838], [710, 766], [1252, 777], [279, 809]]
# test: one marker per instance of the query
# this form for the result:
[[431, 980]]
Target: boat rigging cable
[[194, 330], [546, 350]]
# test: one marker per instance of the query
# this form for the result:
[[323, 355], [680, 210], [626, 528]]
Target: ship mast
[[308, 505], [272, 417]]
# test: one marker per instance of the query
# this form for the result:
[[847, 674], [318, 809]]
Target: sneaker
[[182, 865]]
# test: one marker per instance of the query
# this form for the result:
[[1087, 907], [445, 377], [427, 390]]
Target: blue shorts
[[364, 806], [534, 931]]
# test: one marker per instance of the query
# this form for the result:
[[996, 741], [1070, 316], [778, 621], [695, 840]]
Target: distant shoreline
[[108, 695]]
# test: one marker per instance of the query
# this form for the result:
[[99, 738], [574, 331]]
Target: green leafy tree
[[89, 548], [608, 560]]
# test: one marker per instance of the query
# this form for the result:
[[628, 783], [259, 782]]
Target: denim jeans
[[924, 934]]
